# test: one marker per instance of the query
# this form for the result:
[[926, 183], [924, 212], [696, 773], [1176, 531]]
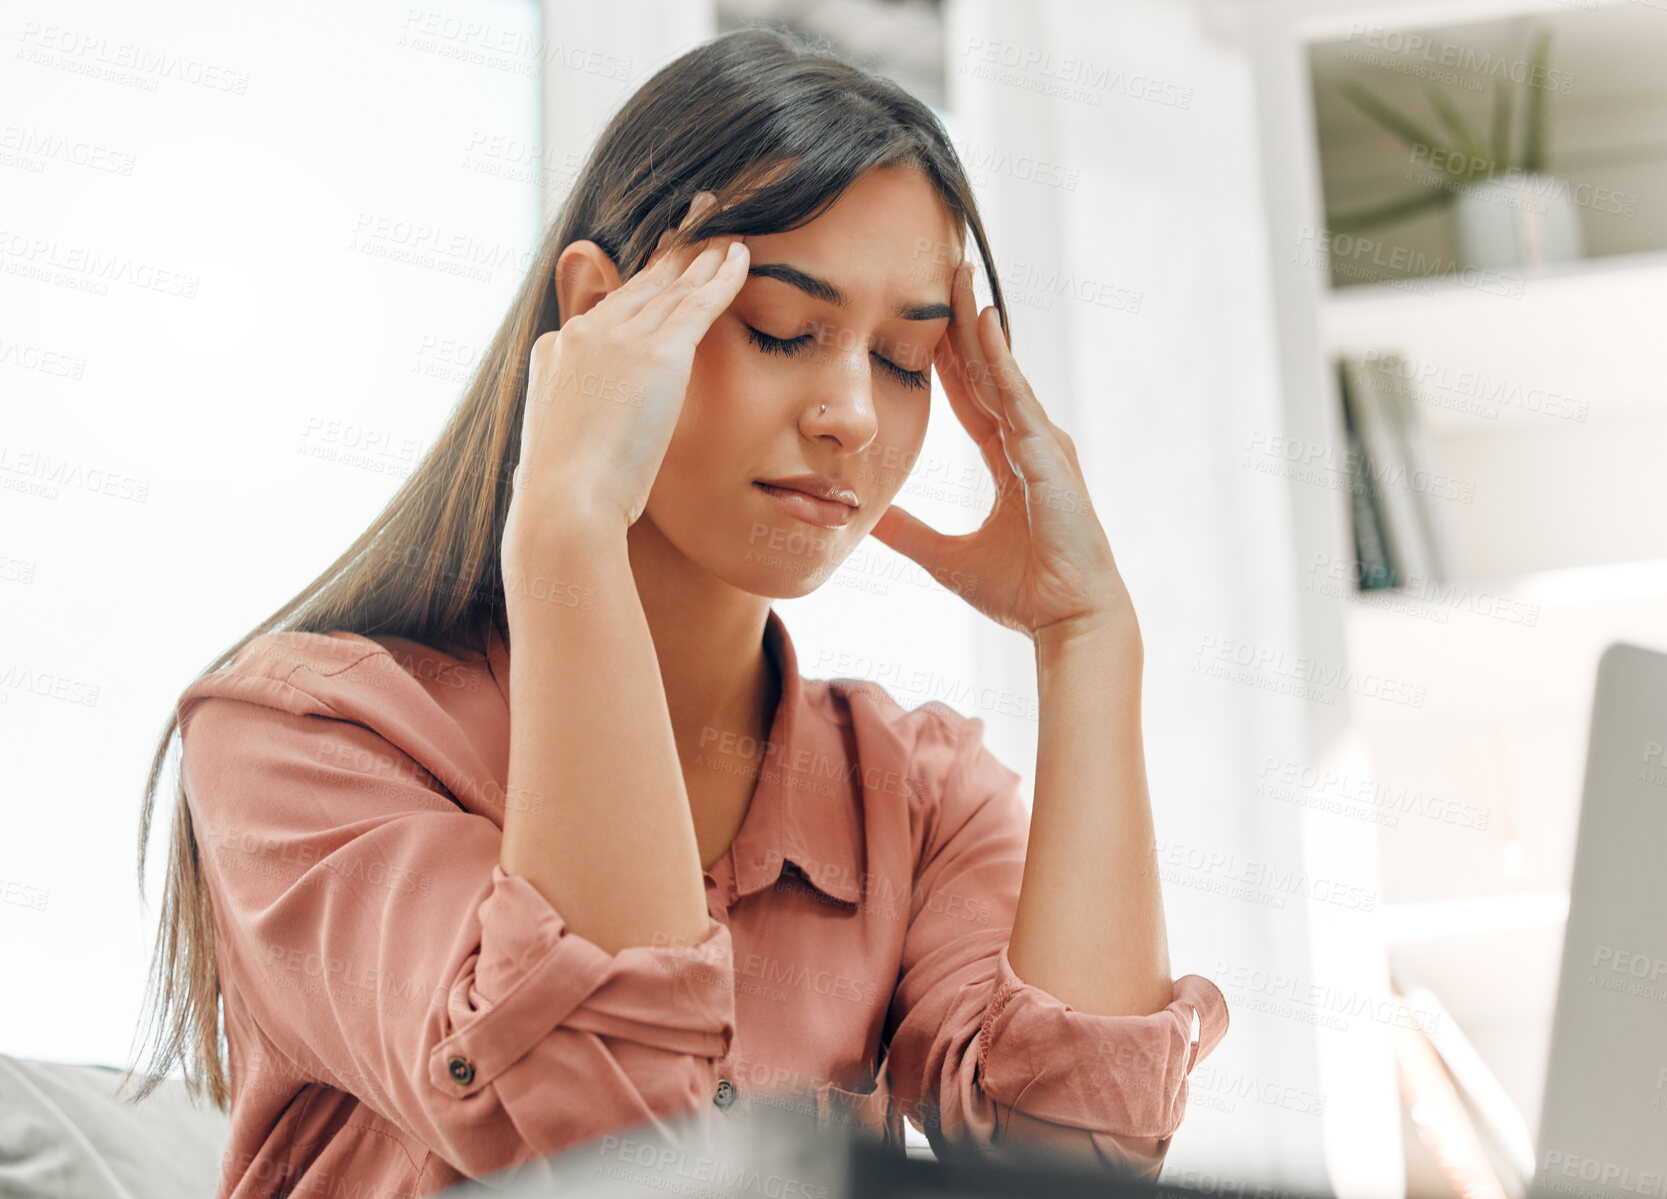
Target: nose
[[841, 400]]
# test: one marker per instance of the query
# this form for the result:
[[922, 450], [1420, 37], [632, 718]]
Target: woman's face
[[888, 248]]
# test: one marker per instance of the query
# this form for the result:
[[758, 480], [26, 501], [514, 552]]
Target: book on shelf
[[1397, 519], [1373, 569]]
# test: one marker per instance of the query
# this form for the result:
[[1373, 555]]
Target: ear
[[584, 275]]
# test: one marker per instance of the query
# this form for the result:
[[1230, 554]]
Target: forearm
[[1089, 927], [611, 842]]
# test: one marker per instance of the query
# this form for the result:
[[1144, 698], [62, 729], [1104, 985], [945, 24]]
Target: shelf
[[1482, 360], [1523, 647], [1339, 20], [1593, 584], [1465, 917], [1645, 267], [1567, 587]]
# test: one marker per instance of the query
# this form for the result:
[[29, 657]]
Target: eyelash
[[919, 380]]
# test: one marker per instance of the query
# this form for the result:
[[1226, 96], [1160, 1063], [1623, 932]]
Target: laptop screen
[[1603, 1123]]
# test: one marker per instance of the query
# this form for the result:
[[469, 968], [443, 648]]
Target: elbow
[[572, 1088], [554, 1042], [1134, 1157]]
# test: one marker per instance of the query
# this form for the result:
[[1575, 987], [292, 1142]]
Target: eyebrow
[[821, 289]]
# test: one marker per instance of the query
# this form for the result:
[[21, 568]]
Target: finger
[[984, 430], [698, 207], [977, 422], [964, 334], [664, 266], [1018, 402], [1070, 451], [699, 203], [696, 311], [1035, 446], [706, 266], [915, 539]]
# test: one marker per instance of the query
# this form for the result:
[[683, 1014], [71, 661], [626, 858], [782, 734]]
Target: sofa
[[65, 1134]]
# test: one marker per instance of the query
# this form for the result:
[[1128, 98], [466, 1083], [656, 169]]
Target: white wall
[[250, 381]]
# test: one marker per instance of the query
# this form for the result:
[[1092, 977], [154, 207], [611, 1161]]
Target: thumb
[[913, 538]]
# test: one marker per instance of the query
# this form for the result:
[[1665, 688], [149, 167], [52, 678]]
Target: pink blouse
[[401, 1014]]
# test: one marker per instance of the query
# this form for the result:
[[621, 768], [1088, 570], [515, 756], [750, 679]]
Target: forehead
[[888, 234]]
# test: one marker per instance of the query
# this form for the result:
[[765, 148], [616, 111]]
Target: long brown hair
[[777, 127]]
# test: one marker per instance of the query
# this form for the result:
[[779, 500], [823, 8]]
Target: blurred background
[[1350, 308]]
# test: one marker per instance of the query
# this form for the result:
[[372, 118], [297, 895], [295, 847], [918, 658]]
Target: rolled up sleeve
[[1109, 1088], [988, 1064], [364, 924]]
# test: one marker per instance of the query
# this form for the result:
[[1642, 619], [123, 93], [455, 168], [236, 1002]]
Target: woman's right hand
[[604, 392]]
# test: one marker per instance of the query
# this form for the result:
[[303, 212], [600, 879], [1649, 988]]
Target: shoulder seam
[[364, 657], [285, 681], [873, 690], [374, 649], [936, 709], [315, 698]]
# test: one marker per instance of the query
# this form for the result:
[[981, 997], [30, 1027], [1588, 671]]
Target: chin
[[776, 559], [778, 564], [792, 579]]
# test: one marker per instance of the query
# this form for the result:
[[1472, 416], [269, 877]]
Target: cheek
[[912, 416], [909, 436], [724, 371], [715, 414], [895, 454]]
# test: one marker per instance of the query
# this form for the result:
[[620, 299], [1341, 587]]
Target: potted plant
[[1508, 211]]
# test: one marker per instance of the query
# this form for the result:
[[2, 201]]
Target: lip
[[818, 487], [826, 514]]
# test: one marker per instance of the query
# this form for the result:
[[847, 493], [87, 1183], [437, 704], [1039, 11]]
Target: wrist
[[1113, 630], [555, 529], [562, 570]]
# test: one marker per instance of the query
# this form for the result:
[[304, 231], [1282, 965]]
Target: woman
[[463, 908]]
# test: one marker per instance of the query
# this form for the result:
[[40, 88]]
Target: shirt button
[[462, 1071], [726, 1093]]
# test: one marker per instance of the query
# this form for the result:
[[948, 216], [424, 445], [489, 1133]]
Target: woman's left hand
[[1040, 560]]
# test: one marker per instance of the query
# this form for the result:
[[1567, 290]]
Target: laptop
[[1603, 1122]]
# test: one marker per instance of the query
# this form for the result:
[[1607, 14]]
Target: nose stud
[[824, 407]]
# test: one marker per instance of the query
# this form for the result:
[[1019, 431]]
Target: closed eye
[[918, 380]]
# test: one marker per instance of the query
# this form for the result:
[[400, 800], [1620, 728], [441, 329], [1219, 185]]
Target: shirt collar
[[803, 808]]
